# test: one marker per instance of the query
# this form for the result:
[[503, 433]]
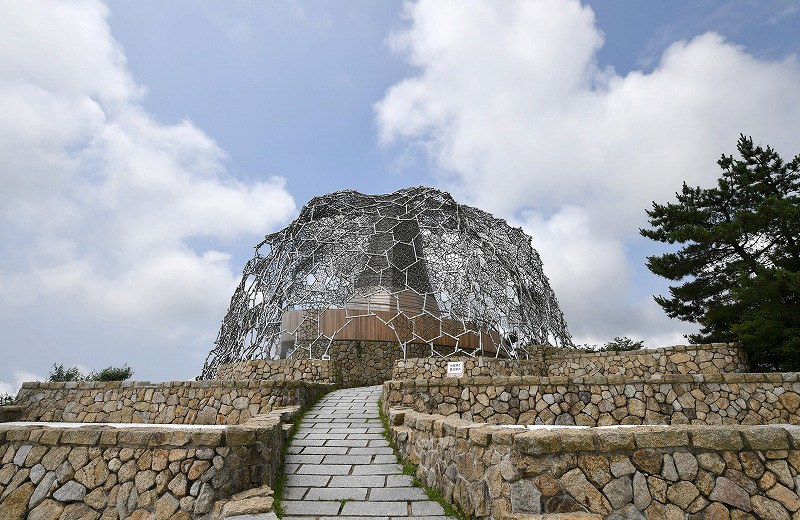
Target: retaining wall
[[352, 364], [436, 368], [621, 473], [314, 370], [179, 402], [715, 358], [99, 471], [600, 401]]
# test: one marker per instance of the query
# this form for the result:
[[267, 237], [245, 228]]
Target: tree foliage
[[739, 267]]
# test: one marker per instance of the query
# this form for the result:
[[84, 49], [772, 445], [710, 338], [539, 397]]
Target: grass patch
[[280, 481], [342, 502], [411, 469]]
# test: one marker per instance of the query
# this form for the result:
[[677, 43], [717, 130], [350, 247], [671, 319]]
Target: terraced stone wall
[[352, 363], [601, 401], [179, 402], [104, 472], [695, 472], [714, 358], [314, 370], [436, 368], [358, 363]]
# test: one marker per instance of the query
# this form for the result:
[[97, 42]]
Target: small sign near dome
[[455, 368]]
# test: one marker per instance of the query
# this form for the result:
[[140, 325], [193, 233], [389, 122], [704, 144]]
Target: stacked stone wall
[[436, 368], [601, 401], [367, 363], [695, 472], [99, 471], [314, 370], [179, 402], [715, 358], [352, 364]]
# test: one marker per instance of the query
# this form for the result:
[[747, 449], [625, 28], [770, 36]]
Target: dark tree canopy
[[739, 267]]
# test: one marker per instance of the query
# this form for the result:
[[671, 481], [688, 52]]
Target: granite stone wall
[[10, 413], [357, 363], [694, 472], [600, 401], [715, 358], [367, 363], [314, 370], [436, 368], [353, 363], [179, 402], [99, 471]]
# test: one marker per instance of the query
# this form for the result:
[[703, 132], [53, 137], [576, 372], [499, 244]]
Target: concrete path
[[339, 465]]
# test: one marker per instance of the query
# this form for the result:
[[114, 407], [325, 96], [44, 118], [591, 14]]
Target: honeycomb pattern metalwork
[[414, 267]]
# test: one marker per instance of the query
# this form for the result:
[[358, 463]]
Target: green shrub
[[620, 344], [59, 374], [112, 374], [6, 399]]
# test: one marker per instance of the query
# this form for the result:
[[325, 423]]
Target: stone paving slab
[[340, 466]]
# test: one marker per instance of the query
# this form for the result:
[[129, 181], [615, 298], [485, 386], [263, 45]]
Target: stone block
[[766, 438], [537, 442], [577, 440], [609, 440], [661, 437], [716, 438], [728, 492]]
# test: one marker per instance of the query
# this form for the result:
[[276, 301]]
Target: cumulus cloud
[[19, 377], [106, 213], [510, 103]]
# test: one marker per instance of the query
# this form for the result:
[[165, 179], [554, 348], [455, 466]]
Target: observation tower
[[412, 269]]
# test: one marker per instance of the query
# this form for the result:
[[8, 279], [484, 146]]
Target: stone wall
[[99, 471], [352, 364], [695, 472], [314, 370], [601, 401], [357, 363], [10, 413], [179, 402], [715, 358], [367, 363], [436, 368]]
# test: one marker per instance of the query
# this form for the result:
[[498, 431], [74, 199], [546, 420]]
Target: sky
[[146, 147]]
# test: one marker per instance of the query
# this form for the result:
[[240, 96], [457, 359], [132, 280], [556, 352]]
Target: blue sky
[[147, 146]]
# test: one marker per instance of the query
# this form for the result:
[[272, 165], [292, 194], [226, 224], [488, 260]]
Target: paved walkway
[[339, 465]]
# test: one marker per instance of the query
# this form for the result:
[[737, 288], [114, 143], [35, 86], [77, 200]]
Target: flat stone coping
[[117, 425], [617, 426]]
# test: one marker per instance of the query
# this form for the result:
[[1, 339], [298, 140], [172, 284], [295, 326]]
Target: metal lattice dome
[[413, 267]]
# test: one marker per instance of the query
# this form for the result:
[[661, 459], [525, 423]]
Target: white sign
[[455, 368], [326, 357]]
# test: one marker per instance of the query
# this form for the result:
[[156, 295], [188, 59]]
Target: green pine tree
[[739, 267]]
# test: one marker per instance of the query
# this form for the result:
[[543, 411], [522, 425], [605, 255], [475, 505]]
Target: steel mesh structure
[[413, 267]]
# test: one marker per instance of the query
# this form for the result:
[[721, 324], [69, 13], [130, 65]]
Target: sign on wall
[[455, 368]]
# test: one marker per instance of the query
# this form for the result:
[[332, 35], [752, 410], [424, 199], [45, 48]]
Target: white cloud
[[512, 107], [102, 206], [20, 376]]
